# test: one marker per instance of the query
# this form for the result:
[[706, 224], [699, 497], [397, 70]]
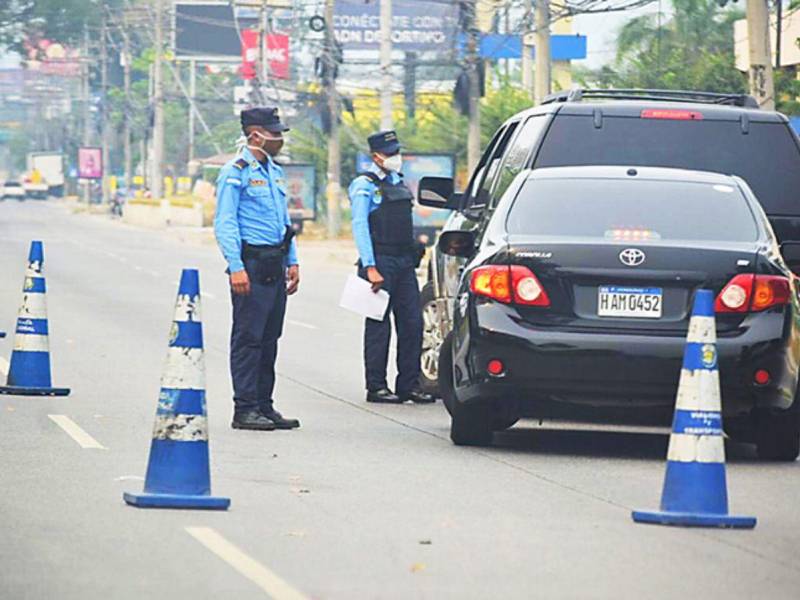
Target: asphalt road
[[362, 502]]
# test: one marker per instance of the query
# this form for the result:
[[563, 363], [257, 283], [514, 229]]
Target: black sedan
[[576, 297]]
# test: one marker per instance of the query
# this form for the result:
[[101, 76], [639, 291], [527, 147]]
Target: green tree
[[59, 20]]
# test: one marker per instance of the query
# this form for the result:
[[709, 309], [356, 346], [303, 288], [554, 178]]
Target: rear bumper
[[561, 374]]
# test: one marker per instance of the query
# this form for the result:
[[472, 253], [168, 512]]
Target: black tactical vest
[[391, 225]]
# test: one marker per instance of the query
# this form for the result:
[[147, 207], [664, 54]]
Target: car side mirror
[[457, 243], [791, 255], [438, 192]]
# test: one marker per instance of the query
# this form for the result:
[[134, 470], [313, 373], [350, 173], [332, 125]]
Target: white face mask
[[393, 162]]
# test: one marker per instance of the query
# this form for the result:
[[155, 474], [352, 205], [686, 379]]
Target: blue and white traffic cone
[[695, 489], [29, 371], [178, 471]]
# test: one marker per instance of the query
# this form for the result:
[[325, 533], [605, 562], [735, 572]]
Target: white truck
[[45, 175]]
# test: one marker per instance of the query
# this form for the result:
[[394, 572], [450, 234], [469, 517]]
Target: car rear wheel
[[431, 341], [446, 387], [471, 424], [778, 437]]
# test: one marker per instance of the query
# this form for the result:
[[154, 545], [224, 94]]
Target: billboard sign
[[416, 26], [90, 163], [301, 191], [415, 167], [277, 54]]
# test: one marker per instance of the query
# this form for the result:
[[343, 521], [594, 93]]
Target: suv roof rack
[[578, 94]]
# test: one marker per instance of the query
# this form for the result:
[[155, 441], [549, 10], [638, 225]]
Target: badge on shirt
[[257, 182]]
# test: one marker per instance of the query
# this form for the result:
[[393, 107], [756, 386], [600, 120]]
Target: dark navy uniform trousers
[[401, 283], [257, 326]]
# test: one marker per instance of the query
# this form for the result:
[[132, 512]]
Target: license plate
[[637, 303]]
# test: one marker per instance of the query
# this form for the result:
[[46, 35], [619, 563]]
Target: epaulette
[[371, 176], [240, 164]]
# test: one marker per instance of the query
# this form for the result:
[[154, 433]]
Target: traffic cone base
[[178, 474], [29, 368], [695, 489]]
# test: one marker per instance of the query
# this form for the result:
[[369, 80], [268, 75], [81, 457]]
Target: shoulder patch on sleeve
[[240, 164]]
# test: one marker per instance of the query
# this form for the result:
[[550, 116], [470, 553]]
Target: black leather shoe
[[252, 419], [419, 397], [278, 420], [384, 396]]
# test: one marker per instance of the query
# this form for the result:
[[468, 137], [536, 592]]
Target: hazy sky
[[601, 31]]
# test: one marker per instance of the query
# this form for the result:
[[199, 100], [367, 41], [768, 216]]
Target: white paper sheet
[[359, 298]]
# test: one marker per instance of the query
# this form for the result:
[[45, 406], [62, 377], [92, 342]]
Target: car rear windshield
[[632, 210], [767, 157]]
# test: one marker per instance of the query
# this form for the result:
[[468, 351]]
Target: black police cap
[[267, 117], [385, 142]]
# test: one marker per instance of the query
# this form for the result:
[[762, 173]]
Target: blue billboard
[[416, 26]]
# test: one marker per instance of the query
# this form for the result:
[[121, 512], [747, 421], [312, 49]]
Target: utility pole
[[762, 85], [527, 59], [104, 129], [410, 84], [87, 114], [192, 96], [387, 122], [778, 32], [542, 84], [333, 190], [473, 67], [126, 115], [157, 185]]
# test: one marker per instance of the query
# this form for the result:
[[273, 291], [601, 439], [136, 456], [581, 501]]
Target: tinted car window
[[767, 157], [632, 210], [480, 195], [517, 156]]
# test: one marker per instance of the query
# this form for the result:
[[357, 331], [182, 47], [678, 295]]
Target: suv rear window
[[767, 157], [632, 210]]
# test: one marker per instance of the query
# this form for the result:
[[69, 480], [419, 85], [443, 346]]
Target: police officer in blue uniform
[[254, 232], [383, 229]]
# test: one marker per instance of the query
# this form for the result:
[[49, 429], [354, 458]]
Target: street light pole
[[473, 67], [387, 122], [762, 85], [157, 185], [542, 85], [333, 189]]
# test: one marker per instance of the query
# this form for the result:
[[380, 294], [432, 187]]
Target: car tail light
[[672, 115], [752, 293], [509, 284]]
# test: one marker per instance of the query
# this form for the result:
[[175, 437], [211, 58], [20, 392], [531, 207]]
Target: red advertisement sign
[[277, 54], [90, 163]]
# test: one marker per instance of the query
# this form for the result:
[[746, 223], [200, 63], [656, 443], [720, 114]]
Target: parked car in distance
[[13, 190], [576, 296]]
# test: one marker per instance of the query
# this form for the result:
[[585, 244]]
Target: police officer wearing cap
[[255, 235], [383, 230]]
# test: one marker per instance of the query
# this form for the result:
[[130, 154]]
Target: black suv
[[719, 133]]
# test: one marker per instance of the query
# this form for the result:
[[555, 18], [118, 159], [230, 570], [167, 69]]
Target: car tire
[[431, 341], [447, 389], [778, 437], [471, 424]]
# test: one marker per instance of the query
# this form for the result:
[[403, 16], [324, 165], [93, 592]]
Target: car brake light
[[752, 293], [509, 283], [672, 115]]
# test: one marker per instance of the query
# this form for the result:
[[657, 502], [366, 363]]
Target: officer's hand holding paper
[[359, 298]]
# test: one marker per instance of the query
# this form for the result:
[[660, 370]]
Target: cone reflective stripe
[[178, 469], [695, 488], [29, 368]]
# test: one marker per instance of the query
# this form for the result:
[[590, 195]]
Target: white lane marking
[[74, 431], [301, 324], [274, 586], [4, 366]]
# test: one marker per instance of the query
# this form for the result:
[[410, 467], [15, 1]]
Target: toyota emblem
[[632, 257]]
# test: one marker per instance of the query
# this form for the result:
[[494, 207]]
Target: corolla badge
[[632, 257]]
